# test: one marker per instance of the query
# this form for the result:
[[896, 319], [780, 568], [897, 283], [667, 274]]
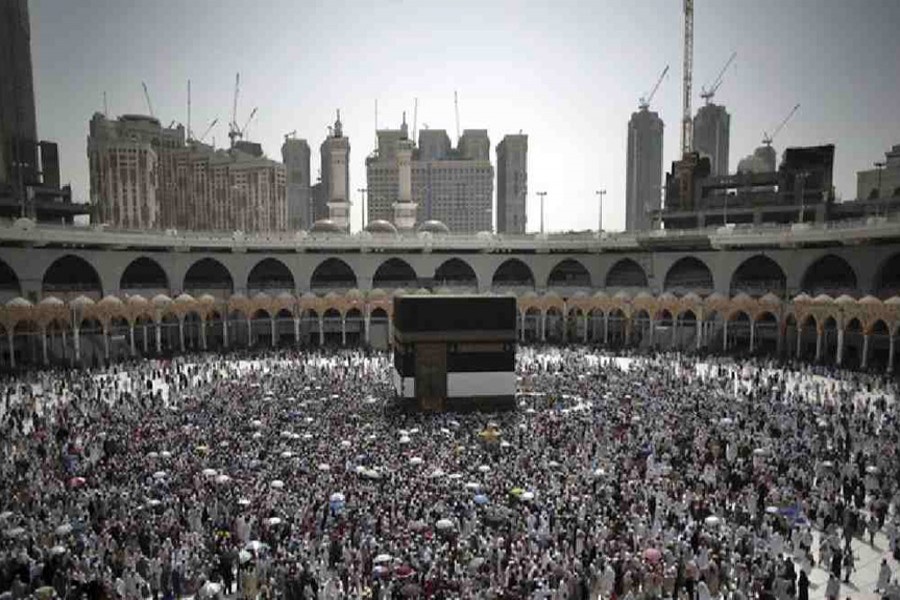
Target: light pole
[[802, 175], [600, 194], [542, 194], [362, 193]]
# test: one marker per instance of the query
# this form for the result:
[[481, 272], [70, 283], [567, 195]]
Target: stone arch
[[829, 274], [395, 273], [71, 275], [758, 276], [455, 272], [332, 273], [626, 273], [569, 273], [689, 274], [887, 280], [270, 275], [10, 287], [513, 273], [208, 276], [144, 273]]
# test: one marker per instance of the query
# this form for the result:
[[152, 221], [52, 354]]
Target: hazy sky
[[568, 73]]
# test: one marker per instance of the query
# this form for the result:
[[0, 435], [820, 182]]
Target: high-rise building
[[295, 155], [643, 185], [455, 187], [512, 183], [146, 176], [712, 126], [884, 180], [18, 124], [334, 199]]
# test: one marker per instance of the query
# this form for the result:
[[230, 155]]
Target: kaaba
[[455, 353]]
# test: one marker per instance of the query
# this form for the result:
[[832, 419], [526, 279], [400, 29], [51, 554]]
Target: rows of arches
[[71, 275], [842, 331]]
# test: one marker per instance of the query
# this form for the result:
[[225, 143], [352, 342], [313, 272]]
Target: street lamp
[[542, 194], [362, 193], [600, 194]]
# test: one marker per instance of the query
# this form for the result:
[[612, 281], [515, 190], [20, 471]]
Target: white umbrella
[[827, 464], [243, 502], [57, 550], [244, 556], [484, 468], [473, 485], [273, 521], [14, 532], [553, 464], [256, 435], [256, 423], [65, 529], [414, 430], [527, 496], [307, 436], [277, 484], [772, 510], [345, 444], [286, 434], [224, 444], [416, 460], [337, 497], [726, 421], [404, 439], [445, 431], [505, 444], [6, 514], [153, 455], [159, 475], [223, 478], [530, 411], [454, 476], [210, 589], [382, 558], [360, 469], [444, 524], [154, 502], [165, 454], [295, 436], [712, 520], [759, 451], [403, 432], [598, 472], [287, 454], [436, 473], [254, 546], [209, 472], [871, 469], [308, 420], [324, 467]]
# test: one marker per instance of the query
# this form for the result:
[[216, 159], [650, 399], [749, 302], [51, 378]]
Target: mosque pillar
[[628, 332], [44, 346], [343, 330], [543, 326], [818, 344], [779, 341], [725, 335], [321, 330], [752, 334], [674, 342], [890, 367], [64, 349], [839, 353], [225, 331], [158, 338], [565, 325], [367, 324], [106, 342], [390, 341], [249, 333], [521, 326], [605, 328], [799, 340], [865, 351], [131, 338], [584, 333], [652, 332], [203, 334], [10, 336], [181, 334], [297, 330], [698, 332], [272, 329]]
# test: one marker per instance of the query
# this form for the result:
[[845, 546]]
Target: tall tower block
[[644, 169], [712, 127], [18, 125]]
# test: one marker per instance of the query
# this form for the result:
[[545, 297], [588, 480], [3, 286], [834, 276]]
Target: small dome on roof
[[823, 299], [377, 294], [622, 295], [110, 301], [667, 296], [161, 299], [845, 299], [381, 226], [643, 296], [715, 297], [326, 226], [601, 295], [285, 296], [770, 298], [869, 300], [691, 297], [184, 297], [802, 298], [136, 299], [433, 227], [353, 294], [580, 294], [262, 296], [893, 300], [21, 302], [51, 301], [207, 299]]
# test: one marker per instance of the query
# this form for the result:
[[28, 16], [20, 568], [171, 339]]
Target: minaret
[[338, 155], [404, 209]]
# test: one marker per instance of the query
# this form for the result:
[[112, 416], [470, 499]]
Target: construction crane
[[233, 131], [708, 93], [767, 139], [247, 124], [415, 119], [208, 129], [147, 98], [456, 108], [687, 123], [644, 102], [290, 135], [189, 133]]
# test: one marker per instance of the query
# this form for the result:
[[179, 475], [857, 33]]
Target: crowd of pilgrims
[[295, 475]]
